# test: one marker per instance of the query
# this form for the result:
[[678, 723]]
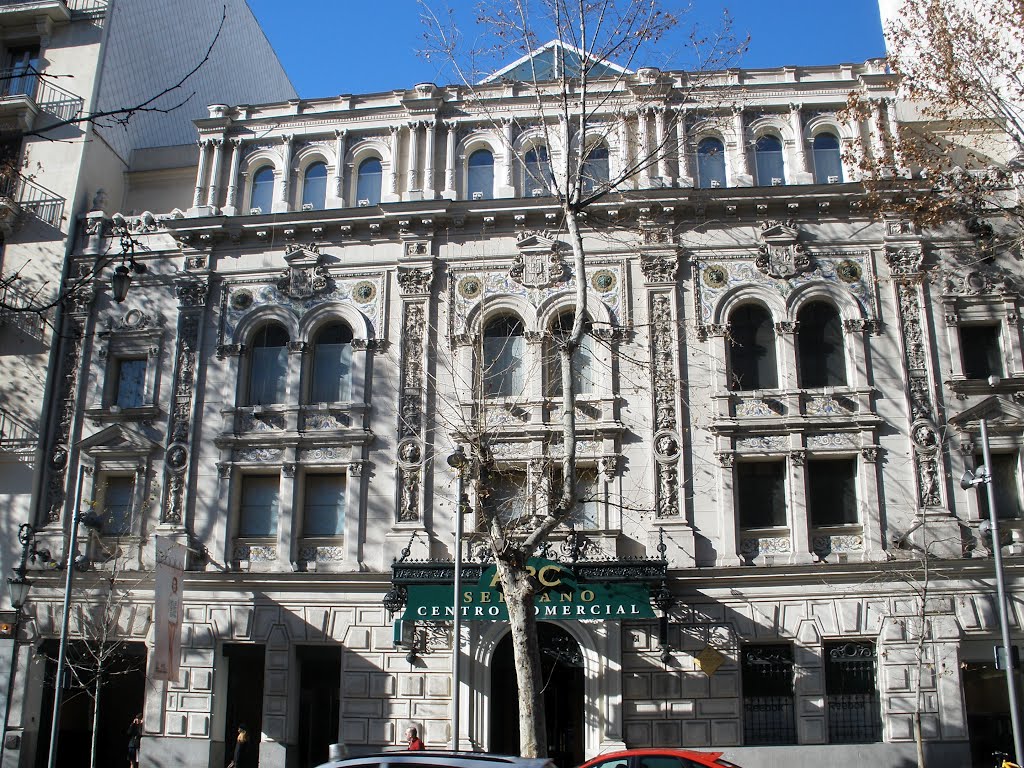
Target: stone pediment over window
[[539, 263], [1003, 414], [118, 441], [305, 276]]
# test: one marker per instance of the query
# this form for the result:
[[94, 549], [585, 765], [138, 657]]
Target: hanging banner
[[561, 598], [167, 608]]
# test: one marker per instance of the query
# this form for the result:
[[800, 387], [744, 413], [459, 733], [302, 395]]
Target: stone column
[[623, 130], [856, 147], [231, 203], [390, 192], [878, 148], [338, 189], [509, 188], [413, 184], [894, 130], [428, 161], [801, 174], [743, 177], [685, 174], [449, 161], [214, 193], [642, 149], [284, 179], [197, 197], [661, 137]]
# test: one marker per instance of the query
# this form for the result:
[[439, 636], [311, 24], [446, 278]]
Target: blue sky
[[330, 47]]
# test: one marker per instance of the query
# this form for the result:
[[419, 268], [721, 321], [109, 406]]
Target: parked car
[[659, 758], [438, 759]]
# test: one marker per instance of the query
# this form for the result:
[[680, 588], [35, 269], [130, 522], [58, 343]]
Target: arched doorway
[[562, 665]]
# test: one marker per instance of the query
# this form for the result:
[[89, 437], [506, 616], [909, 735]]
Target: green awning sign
[[561, 598]]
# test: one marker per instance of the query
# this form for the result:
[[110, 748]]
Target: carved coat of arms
[[305, 275], [539, 263], [782, 256]]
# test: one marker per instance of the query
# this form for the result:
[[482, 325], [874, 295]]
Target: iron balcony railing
[[30, 197], [27, 81], [16, 310], [15, 434], [81, 6]]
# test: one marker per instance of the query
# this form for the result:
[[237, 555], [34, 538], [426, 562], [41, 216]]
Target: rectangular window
[[854, 713], [768, 713], [761, 493], [117, 505], [585, 514], [131, 383], [507, 496], [22, 71], [979, 351], [259, 505], [324, 507], [832, 492], [1005, 484]]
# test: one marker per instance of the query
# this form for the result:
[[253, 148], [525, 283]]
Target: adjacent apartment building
[[776, 396]]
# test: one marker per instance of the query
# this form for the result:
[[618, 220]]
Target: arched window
[[536, 172], [828, 163], [314, 187], [771, 168], [368, 181], [710, 163], [480, 175], [595, 168], [261, 198], [504, 349], [582, 359], [752, 349], [331, 374], [822, 357], [268, 365]]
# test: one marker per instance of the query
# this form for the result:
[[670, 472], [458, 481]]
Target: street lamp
[[983, 476], [70, 560], [457, 461]]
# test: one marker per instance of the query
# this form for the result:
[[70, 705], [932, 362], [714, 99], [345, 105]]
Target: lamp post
[[983, 476], [70, 559], [457, 461], [19, 587]]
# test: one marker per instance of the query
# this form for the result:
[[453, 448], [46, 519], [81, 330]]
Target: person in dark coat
[[134, 741], [241, 748]]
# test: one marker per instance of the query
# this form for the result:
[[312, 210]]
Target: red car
[[659, 758]]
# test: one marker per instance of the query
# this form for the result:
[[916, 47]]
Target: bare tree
[[585, 83], [959, 153]]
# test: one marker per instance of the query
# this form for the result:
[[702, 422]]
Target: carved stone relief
[[663, 343]]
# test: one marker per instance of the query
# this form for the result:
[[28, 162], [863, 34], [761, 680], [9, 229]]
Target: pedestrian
[[412, 737], [241, 748], [134, 741]]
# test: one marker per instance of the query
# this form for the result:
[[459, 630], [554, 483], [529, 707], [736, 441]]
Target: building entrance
[[562, 667], [988, 711]]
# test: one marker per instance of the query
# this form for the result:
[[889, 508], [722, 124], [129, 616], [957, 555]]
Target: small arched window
[[710, 163], [480, 175], [822, 357], [771, 169], [314, 187], [331, 374], [582, 359], [368, 182], [536, 172], [261, 198], [595, 168], [828, 162], [752, 349], [504, 349], [268, 365]]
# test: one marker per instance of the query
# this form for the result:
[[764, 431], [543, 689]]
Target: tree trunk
[[95, 716], [518, 587]]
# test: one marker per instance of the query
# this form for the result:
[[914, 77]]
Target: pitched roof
[[550, 60]]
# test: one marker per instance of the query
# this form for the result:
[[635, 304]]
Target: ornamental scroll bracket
[[782, 255]]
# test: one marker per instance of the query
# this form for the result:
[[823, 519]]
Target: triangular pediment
[[779, 233], [551, 61], [118, 440], [537, 243], [1000, 412], [302, 256]]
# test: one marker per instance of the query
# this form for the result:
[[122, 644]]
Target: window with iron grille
[[854, 714], [768, 712]]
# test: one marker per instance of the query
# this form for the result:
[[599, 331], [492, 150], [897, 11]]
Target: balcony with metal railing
[[18, 12], [25, 92], [20, 195], [21, 311], [16, 434]]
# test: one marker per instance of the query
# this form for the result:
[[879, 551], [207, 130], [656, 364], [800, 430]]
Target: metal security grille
[[854, 712], [768, 695]]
